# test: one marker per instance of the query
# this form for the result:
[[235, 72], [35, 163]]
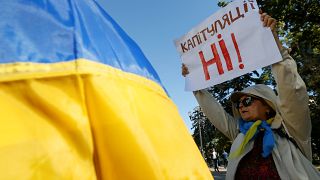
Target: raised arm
[[293, 97], [213, 110], [216, 114]]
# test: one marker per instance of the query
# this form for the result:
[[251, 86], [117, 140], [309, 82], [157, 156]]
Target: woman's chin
[[248, 119]]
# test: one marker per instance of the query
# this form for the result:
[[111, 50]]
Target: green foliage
[[299, 27], [222, 3]]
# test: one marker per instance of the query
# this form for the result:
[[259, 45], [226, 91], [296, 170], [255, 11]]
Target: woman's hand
[[268, 21], [184, 70]]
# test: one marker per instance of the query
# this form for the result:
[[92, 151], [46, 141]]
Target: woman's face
[[252, 109]]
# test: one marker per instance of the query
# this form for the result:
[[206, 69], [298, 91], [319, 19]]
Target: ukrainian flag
[[79, 100]]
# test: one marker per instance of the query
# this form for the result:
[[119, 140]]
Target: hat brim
[[237, 95]]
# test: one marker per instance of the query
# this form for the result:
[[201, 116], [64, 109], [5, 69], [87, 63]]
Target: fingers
[[264, 18], [184, 70], [267, 20], [272, 24]]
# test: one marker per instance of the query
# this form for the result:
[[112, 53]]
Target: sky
[[154, 25]]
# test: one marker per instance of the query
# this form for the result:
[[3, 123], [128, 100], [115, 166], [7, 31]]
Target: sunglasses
[[247, 101]]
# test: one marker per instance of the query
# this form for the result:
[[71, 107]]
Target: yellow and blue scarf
[[250, 130]]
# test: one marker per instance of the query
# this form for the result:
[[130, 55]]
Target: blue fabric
[[50, 31], [268, 139]]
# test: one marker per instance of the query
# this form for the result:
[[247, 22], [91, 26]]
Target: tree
[[300, 29], [207, 136]]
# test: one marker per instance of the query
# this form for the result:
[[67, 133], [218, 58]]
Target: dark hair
[[271, 114]]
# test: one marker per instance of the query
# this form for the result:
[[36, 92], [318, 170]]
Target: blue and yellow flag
[[79, 100]]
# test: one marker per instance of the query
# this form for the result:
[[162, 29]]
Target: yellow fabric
[[84, 120], [250, 133]]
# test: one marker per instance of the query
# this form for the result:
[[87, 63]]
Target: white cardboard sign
[[226, 45]]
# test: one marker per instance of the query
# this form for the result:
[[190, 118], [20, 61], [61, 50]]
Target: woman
[[270, 134]]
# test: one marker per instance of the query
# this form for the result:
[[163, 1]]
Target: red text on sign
[[216, 57], [217, 25]]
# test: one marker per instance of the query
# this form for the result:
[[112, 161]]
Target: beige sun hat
[[261, 91]]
